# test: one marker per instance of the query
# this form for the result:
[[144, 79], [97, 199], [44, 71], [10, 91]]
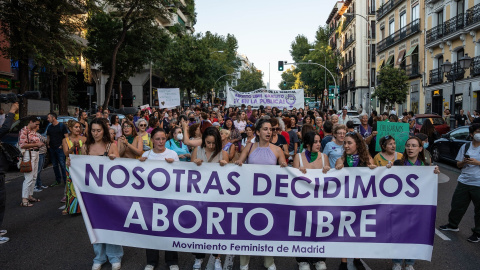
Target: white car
[[354, 116]]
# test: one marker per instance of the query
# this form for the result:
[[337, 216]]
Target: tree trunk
[[63, 94], [51, 91], [24, 85]]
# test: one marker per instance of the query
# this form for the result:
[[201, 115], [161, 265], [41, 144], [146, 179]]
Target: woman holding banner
[[355, 155], [261, 152], [414, 155], [210, 151], [99, 144], [311, 159], [160, 152]]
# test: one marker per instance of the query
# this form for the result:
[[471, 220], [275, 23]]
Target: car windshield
[[436, 121]]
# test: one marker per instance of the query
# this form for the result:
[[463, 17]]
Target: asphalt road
[[41, 238]]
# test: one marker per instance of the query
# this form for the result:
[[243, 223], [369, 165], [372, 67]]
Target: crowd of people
[[301, 138]]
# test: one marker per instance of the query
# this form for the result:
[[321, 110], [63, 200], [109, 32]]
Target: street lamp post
[[465, 63]]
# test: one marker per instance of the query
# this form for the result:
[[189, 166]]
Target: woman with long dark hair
[[429, 130], [130, 145]]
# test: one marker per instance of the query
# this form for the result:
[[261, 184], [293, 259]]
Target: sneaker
[[272, 267], [218, 264], [397, 266], [303, 266], [37, 189], [149, 267], [44, 187], [343, 266], [3, 232], [448, 227], [4, 239], [358, 264], [96, 266], [244, 267], [54, 185], [64, 199], [197, 265], [320, 265], [409, 267], [116, 266], [475, 238], [174, 267]]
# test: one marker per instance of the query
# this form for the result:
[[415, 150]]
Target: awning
[[411, 50], [400, 57], [389, 60], [380, 65]]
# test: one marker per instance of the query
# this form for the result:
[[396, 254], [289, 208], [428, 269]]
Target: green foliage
[[251, 79], [393, 87], [288, 76]]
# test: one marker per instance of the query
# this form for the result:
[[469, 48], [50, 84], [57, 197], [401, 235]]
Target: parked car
[[448, 145], [313, 105], [436, 120]]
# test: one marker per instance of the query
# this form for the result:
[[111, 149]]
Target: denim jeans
[[407, 261], [113, 253], [58, 159], [41, 161]]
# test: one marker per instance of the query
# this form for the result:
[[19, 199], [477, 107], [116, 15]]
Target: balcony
[[347, 21], [410, 29], [348, 64], [447, 28], [456, 71], [436, 76], [413, 70], [351, 84], [475, 68], [473, 15], [347, 43], [387, 7]]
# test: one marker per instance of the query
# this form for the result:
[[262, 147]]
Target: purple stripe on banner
[[407, 224]]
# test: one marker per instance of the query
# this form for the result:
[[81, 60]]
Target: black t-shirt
[[281, 141], [461, 119], [56, 134]]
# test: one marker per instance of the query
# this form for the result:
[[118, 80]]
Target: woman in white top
[[241, 122], [115, 120], [160, 152]]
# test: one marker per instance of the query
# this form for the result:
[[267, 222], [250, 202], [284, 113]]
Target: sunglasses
[[387, 137], [250, 125], [142, 125]]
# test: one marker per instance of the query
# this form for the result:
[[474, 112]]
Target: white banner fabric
[[274, 98]]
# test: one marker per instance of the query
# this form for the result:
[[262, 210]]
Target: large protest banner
[[399, 131], [274, 98], [257, 209], [168, 97]]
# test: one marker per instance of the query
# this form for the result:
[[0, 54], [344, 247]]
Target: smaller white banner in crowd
[[257, 209], [168, 97], [274, 98]]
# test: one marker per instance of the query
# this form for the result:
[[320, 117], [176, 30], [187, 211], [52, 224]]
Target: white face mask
[[180, 136], [476, 137]]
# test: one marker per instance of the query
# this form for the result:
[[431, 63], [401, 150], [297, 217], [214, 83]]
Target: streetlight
[[464, 63]]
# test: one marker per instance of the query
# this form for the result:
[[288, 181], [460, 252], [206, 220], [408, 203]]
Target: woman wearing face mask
[[388, 155], [424, 139], [160, 152], [265, 153], [210, 151], [312, 158], [176, 144], [414, 155]]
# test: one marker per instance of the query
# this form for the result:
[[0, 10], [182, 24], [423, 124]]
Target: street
[[42, 238]]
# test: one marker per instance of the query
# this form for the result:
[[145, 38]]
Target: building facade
[[400, 43], [351, 36], [452, 32]]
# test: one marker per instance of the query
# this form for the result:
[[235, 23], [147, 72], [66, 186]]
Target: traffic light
[[134, 97], [280, 65], [368, 95]]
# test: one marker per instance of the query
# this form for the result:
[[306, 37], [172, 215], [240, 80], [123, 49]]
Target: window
[[461, 134], [391, 27], [403, 20], [440, 62], [460, 7], [440, 17], [460, 54], [415, 12], [373, 34]]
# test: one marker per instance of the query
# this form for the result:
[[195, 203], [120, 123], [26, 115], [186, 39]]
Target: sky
[[264, 28]]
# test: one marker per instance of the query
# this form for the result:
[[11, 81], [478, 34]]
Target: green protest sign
[[400, 131]]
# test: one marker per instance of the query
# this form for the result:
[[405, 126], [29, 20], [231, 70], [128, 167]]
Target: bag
[[26, 166]]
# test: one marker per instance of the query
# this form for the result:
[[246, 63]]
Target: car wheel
[[435, 154]]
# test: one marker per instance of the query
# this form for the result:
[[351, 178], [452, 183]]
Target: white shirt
[[341, 121], [161, 156], [2, 119], [240, 125], [118, 130], [470, 173]]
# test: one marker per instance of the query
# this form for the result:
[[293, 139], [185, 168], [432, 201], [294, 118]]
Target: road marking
[[366, 265], [228, 263], [211, 263], [441, 235]]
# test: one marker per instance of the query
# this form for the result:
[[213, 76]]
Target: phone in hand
[[466, 156]]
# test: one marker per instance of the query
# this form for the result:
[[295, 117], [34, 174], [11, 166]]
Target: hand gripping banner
[[257, 209]]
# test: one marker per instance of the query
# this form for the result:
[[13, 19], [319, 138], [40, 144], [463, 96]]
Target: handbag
[[26, 166]]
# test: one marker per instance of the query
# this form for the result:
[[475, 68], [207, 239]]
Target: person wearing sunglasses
[[142, 133], [130, 145], [388, 155]]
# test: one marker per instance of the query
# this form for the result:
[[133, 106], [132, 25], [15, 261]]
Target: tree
[[250, 79], [42, 33], [393, 87], [127, 17]]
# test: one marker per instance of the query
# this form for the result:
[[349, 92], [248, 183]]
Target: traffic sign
[[325, 92]]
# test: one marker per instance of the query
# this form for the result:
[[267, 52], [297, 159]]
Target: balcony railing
[[351, 84], [403, 33], [347, 21], [449, 27], [348, 42], [475, 69], [456, 71], [436, 76], [387, 7], [348, 64], [413, 70], [473, 15]]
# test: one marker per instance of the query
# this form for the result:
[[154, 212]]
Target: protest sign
[[399, 131], [274, 98], [168, 97], [258, 209]]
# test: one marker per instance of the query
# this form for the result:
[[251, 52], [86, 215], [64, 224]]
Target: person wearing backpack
[[468, 187]]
